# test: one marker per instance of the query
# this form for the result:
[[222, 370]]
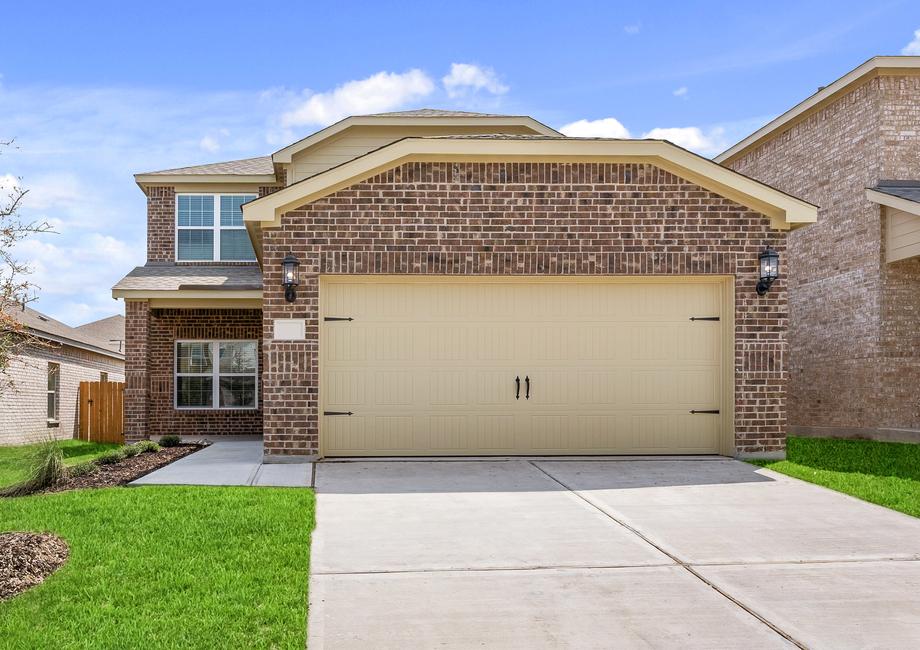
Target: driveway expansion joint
[[560, 567], [686, 566]]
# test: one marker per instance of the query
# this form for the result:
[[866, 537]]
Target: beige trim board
[[785, 211], [895, 202], [879, 65], [198, 295], [206, 182], [286, 154], [882, 434]]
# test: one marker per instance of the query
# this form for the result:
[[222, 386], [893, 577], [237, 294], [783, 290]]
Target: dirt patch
[[125, 471], [26, 559]]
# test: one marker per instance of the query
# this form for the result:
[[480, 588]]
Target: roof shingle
[[909, 190], [244, 167], [170, 277]]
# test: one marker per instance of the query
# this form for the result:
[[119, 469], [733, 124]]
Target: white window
[[54, 392], [216, 374], [209, 228], [103, 376]]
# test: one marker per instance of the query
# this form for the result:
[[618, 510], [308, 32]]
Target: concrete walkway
[[230, 462], [607, 553]]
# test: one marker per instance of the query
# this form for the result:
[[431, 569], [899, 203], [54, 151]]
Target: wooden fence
[[102, 411]]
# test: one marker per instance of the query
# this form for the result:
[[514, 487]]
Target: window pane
[[238, 356], [193, 357], [196, 210], [235, 246], [238, 392], [54, 371], [52, 411], [194, 391], [196, 245], [230, 212]]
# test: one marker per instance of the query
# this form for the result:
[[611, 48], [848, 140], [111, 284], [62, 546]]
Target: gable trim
[[785, 211]]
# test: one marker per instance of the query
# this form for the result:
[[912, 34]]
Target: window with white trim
[[209, 228], [216, 374], [54, 391]]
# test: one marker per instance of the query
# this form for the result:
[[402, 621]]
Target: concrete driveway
[[710, 553]]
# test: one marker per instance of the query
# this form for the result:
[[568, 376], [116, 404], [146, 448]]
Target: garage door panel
[[428, 367]]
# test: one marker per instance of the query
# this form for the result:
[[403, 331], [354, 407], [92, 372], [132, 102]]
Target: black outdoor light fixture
[[290, 277], [769, 270]]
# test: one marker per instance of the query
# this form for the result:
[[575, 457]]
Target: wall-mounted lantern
[[769, 270], [290, 277]]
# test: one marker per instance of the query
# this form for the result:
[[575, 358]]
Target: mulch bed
[[125, 471], [26, 559]]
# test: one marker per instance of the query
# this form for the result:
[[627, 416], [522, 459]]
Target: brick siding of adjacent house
[[505, 219], [24, 403], [150, 388], [854, 336]]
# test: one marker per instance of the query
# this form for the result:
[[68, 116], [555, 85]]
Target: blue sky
[[94, 92]]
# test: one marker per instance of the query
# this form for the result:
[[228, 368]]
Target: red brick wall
[[523, 219], [164, 327], [854, 336]]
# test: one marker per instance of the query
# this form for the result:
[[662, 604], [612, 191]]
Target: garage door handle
[[527, 382], [705, 411], [517, 388]]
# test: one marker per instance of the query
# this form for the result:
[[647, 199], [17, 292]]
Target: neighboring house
[[467, 284], [42, 399], [854, 277]]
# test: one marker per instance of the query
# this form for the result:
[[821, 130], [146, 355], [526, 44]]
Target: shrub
[[130, 450], [170, 440], [146, 446], [82, 469], [46, 469], [110, 457]]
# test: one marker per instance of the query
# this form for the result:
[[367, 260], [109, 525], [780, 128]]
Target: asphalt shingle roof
[[244, 167], [40, 324], [909, 190], [170, 277], [433, 112], [110, 330]]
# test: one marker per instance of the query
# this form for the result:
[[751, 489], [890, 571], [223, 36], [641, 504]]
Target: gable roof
[[784, 210], [873, 67], [109, 330], [430, 117], [50, 329]]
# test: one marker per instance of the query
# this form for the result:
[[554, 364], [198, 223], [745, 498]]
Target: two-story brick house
[[854, 277], [447, 283]]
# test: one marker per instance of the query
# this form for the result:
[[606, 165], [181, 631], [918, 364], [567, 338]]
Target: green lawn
[[886, 473], [166, 567], [14, 461]]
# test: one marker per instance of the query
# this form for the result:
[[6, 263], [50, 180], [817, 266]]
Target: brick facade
[[149, 393], [24, 404], [854, 338], [523, 219]]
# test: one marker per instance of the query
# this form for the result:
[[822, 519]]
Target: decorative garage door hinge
[[704, 318], [328, 318], [337, 413], [694, 412]]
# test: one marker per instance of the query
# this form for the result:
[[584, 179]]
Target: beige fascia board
[[187, 294], [285, 155], [879, 65], [63, 340], [784, 210], [895, 202], [204, 182]]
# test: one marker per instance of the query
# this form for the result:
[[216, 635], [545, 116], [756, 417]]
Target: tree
[[15, 288]]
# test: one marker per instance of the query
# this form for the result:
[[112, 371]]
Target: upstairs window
[[209, 228]]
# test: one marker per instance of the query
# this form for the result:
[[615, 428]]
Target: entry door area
[[533, 366]]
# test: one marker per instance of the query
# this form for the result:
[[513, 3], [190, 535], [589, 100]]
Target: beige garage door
[[471, 366]]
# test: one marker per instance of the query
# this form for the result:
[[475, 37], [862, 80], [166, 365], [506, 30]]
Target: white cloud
[[693, 138], [380, 92], [913, 48], [681, 92], [467, 77], [209, 143], [632, 29], [607, 127]]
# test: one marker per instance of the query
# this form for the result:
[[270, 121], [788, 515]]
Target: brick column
[[137, 325]]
